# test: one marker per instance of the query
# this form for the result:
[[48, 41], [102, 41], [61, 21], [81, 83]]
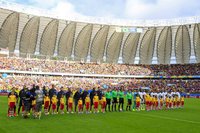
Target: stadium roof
[[98, 20], [29, 30]]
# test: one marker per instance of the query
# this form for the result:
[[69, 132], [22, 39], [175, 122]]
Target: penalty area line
[[170, 118]]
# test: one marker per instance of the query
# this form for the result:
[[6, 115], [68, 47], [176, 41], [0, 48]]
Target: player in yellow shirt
[[103, 103], [156, 103], [70, 104], [174, 102], [150, 103], [80, 105], [96, 103], [161, 103], [167, 102], [11, 104], [147, 98], [17, 90], [153, 103], [170, 102], [182, 101], [178, 102], [46, 104], [87, 104], [16, 94], [54, 101], [62, 103], [138, 102], [33, 107]]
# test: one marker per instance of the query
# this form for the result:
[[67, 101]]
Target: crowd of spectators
[[188, 86], [40, 65], [22, 64]]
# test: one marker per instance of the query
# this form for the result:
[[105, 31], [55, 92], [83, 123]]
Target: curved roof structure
[[31, 31]]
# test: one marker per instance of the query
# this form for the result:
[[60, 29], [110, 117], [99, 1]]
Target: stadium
[[97, 57]]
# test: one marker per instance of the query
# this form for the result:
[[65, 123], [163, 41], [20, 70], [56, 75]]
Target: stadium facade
[[30, 31]]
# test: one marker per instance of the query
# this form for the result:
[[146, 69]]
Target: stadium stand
[[40, 42], [21, 64], [187, 86]]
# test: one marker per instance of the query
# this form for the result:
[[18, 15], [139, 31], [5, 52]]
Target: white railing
[[92, 75], [98, 20], [71, 74]]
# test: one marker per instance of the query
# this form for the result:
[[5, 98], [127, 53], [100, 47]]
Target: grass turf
[[185, 120]]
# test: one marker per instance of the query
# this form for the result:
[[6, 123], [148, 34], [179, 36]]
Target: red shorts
[[46, 105], [70, 105], [161, 104], [137, 104], [156, 104], [170, 104], [96, 105], [87, 105], [178, 103], [167, 104], [80, 106], [174, 103], [103, 105], [53, 106], [61, 106], [150, 103], [147, 103], [33, 107], [23, 108], [182, 103], [12, 104]]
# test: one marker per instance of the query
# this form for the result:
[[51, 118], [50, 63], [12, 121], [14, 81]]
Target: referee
[[108, 100], [121, 100], [114, 96]]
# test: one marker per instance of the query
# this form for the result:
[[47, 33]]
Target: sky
[[120, 9]]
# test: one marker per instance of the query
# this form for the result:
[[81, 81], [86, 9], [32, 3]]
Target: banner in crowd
[[129, 29]]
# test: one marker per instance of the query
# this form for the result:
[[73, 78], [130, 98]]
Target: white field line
[[170, 118]]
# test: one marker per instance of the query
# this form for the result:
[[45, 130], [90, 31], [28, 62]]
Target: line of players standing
[[113, 98]]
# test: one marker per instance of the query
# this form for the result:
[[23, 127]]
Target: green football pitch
[[185, 120]]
